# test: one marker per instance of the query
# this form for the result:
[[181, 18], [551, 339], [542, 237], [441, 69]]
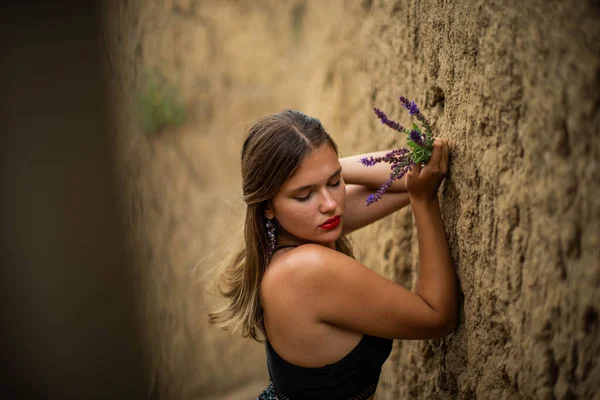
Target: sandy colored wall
[[515, 87]]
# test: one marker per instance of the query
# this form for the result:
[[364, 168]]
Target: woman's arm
[[371, 177], [342, 292], [357, 214], [361, 182], [436, 284]]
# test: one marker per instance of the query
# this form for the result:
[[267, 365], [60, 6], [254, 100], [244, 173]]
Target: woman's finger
[[442, 151], [436, 155], [414, 171], [444, 158]]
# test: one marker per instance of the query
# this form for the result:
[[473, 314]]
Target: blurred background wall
[[69, 328], [513, 86]]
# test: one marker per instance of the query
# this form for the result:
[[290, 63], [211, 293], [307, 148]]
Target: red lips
[[331, 223]]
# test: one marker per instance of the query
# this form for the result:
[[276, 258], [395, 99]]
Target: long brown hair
[[273, 150]]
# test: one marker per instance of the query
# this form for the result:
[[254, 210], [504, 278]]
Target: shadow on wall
[[69, 328]]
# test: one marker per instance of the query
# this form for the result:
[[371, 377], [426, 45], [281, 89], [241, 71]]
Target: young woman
[[327, 319]]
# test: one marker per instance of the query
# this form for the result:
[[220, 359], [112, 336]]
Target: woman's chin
[[331, 236], [324, 237]]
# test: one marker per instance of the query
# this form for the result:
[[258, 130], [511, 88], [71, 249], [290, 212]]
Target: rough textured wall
[[514, 86]]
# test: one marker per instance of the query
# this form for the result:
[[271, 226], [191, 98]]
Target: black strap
[[283, 247]]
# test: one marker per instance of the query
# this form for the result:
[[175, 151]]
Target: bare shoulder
[[341, 291], [308, 262], [302, 262], [291, 277], [301, 271], [317, 268]]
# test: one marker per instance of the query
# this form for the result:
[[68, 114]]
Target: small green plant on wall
[[158, 105]]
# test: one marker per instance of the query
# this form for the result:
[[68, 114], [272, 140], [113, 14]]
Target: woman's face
[[310, 205]]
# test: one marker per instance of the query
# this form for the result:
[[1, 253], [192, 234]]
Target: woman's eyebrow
[[301, 188]]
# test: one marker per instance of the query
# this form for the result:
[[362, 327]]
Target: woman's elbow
[[449, 326], [452, 326], [444, 327]]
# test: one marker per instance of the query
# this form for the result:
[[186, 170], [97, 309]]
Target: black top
[[353, 377]]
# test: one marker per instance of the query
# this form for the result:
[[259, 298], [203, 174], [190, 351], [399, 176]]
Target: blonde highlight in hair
[[273, 150]]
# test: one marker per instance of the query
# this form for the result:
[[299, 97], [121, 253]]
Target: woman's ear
[[269, 211]]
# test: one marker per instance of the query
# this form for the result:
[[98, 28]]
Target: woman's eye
[[308, 195], [302, 198]]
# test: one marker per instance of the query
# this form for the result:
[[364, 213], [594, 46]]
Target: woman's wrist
[[423, 201]]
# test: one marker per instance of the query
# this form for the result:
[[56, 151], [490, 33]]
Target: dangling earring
[[271, 236]]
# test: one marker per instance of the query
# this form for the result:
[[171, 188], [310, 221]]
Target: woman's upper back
[[308, 358], [292, 325]]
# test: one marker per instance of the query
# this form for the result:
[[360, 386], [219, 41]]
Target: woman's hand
[[423, 183]]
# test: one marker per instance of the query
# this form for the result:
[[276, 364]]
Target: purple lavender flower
[[397, 153], [401, 160], [402, 170], [425, 123], [370, 161], [392, 157], [374, 198], [414, 110], [411, 107], [400, 167], [416, 137], [384, 120]]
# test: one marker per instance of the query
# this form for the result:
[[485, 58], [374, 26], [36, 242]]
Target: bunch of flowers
[[401, 160]]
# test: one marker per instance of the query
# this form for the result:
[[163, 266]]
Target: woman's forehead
[[317, 167]]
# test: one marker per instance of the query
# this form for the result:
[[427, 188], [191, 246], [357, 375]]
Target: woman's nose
[[328, 203]]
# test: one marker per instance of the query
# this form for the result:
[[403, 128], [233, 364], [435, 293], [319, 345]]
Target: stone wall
[[513, 86]]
